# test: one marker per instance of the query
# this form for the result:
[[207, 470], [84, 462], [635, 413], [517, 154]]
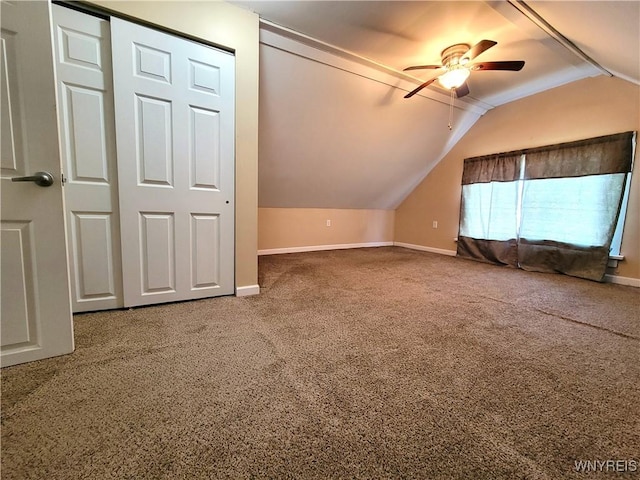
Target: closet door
[[86, 119], [174, 104]]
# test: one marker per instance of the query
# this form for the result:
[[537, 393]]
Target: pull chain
[[451, 107]]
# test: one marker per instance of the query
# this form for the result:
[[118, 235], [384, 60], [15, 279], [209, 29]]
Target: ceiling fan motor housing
[[452, 55]]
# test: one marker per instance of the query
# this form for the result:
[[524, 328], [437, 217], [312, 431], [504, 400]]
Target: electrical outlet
[[328, 223], [434, 224]]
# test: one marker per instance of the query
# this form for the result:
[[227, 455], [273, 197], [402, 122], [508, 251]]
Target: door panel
[[174, 102], [153, 142], [18, 315], [36, 319], [86, 117], [157, 252], [205, 266], [205, 157], [88, 158], [92, 237]]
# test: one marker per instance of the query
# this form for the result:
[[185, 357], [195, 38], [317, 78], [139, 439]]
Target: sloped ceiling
[[335, 130]]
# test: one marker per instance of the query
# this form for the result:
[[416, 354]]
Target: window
[[616, 243], [548, 209]]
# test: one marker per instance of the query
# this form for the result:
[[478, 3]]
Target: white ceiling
[[333, 140], [398, 34], [608, 32]]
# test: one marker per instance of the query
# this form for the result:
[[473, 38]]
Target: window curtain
[[570, 204], [488, 211], [549, 209]]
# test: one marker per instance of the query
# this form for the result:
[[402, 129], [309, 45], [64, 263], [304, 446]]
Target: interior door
[[174, 104], [36, 320], [82, 44]]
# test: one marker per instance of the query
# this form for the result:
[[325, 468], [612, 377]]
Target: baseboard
[[441, 251], [247, 290], [632, 282], [317, 248]]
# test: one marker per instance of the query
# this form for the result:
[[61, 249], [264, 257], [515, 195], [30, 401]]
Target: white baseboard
[[632, 282], [247, 290], [441, 251], [317, 248]]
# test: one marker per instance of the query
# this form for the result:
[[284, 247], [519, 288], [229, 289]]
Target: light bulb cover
[[454, 78]]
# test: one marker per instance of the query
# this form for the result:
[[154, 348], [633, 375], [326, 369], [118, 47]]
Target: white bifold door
[[148, 141]]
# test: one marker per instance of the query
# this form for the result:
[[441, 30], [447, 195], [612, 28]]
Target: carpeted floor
[[368, 363]]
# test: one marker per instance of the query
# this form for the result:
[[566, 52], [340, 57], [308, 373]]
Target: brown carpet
[[368, 363]]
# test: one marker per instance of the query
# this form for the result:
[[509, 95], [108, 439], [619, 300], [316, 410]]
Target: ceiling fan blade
[[423, 67], [425, 84], [478, 48], [462, 90], [514, 66]]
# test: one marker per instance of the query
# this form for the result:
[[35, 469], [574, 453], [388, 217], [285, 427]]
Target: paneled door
[[174, 104], [82, 44], [36, 320]]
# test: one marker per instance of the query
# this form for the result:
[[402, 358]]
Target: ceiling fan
[[455, 62]]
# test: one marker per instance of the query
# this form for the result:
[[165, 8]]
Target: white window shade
[[490, 210], [576, 210]]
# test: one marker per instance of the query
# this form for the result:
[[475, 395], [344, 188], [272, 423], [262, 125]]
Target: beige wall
[[343, 137], [588, 108], [307, 227], [236, 29]]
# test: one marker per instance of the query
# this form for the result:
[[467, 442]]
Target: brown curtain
[[500, 168], [609, 155], [557, 257], [498, 252], [594, 156], [503, 167]]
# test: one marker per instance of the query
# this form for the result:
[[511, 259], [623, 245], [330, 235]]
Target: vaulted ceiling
[[306, 161]]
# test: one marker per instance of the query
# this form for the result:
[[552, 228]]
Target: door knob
[[43, 179]]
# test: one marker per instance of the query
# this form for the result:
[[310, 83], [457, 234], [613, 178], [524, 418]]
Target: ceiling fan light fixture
[[454, 78], [455, 61]]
